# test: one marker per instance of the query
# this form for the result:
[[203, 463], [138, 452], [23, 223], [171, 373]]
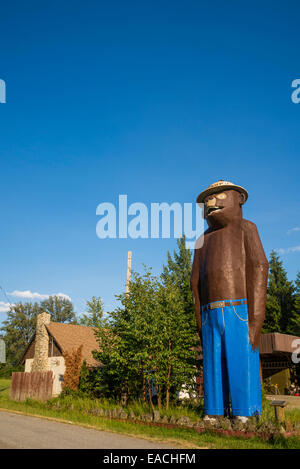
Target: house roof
[[277, 343], [71, 336]]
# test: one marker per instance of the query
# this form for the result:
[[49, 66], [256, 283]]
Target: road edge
[[93, 427]]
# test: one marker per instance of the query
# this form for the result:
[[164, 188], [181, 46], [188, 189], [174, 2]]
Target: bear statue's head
[[223, 208]]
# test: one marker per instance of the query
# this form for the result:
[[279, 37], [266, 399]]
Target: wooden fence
[[35, 385]]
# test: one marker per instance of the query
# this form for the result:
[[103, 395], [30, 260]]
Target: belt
[[222, 304]]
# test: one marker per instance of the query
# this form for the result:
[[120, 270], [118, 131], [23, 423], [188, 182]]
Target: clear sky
[[153, 99]]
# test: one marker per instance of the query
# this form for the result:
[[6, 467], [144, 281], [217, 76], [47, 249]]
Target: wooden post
[[128, 273], [279, 410], [279, 413]]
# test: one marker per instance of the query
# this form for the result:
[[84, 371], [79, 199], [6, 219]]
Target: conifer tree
[[178, 272], [280, 297], [294, 325]]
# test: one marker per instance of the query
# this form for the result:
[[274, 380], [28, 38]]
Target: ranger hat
[[220, 186]]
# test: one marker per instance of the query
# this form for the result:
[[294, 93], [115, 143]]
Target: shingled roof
[[70, 336], [274, 342]]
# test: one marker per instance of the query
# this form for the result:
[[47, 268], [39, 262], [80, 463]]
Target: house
[[50, 341], [279, 357]]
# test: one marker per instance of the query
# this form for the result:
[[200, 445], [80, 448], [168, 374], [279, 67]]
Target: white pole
[[128, 273]]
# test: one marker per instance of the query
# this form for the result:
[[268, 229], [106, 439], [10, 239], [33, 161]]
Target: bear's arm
[[257, 267], [195, 287]]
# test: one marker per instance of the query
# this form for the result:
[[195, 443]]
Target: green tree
[[280, 297], [294, 325], [175, 364], [124, 339], [61, 309], [94, 315], [178, 272], [18, 329], [87, 383], [147, 341]]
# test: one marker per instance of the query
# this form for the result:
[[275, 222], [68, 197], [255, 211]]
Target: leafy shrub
[[73, 362]]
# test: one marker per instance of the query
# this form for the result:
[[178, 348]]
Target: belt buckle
[[217, 304]]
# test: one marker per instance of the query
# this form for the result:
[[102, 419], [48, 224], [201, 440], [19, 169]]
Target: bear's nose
[[211, 202]]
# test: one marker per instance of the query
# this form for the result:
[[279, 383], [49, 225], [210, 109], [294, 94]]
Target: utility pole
[[128, 276], [128, 273]]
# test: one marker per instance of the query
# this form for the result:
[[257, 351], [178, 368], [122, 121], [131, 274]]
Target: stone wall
[[40, 361]]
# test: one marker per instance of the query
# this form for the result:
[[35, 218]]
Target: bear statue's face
[[222, 208]]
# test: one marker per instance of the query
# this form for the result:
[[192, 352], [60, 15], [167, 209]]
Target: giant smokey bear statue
[[229, 280]]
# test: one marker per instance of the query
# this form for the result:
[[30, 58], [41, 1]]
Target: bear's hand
[[254, 337]]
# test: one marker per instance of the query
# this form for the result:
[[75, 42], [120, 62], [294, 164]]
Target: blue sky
[[153, 99]]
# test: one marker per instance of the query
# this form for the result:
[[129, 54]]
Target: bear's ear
[[242, 198]]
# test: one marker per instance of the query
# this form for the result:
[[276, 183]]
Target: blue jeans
[[231, 368]]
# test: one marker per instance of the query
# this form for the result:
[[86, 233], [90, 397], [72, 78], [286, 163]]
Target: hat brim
[[222, 188]]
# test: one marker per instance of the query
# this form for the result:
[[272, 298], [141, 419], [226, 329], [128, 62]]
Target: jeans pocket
[[241, 314]]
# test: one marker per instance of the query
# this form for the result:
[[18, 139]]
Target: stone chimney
[[40, 361]]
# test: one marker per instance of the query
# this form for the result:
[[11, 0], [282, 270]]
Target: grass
[[194, 412], [4, 387], [268, 413], [180, 437]]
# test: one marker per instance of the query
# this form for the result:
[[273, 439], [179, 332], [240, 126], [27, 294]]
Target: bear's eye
[[221, 196]]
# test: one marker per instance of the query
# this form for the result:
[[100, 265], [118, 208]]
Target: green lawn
[[184, 438], [4, 387]]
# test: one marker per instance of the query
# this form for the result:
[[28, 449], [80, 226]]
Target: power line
[[4, 293]]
